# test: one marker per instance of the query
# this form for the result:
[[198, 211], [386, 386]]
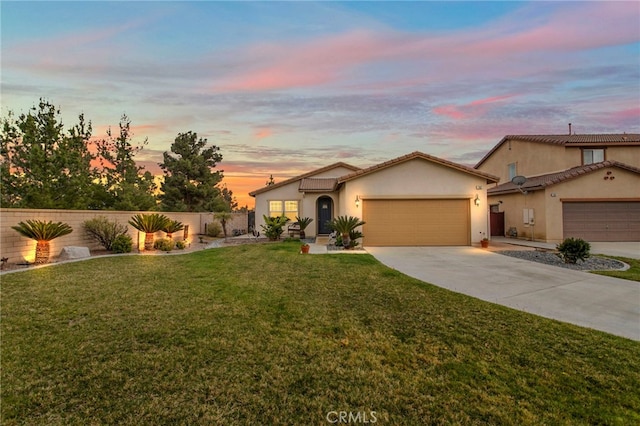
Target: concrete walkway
[[589, 300]]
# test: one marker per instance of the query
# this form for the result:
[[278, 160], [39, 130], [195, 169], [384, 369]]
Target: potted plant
[[345, 225], [43, 233], [484, 242], [304, 249], [303, 222]]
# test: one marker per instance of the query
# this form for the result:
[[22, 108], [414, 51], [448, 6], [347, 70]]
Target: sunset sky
[[286, 87]]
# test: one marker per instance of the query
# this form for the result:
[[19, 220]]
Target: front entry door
[[325, 214]]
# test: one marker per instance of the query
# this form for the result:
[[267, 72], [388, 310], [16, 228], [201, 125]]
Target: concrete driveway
[[602, 303]]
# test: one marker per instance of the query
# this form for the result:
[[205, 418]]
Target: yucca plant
[[345, 225], [172, 226], [43, 233], [149, 224]]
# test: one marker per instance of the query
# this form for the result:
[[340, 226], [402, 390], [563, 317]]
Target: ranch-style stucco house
[[413, 200], [585, 186]]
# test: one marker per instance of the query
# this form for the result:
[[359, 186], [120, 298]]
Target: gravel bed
[[549, 258]]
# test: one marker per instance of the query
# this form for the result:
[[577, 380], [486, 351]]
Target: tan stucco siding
[[547, 203], [626, 185], [419, 179], [531, 159], [624, 154], [287, 192]]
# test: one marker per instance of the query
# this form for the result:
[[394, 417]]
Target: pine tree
[[128, 186], [190, 184]]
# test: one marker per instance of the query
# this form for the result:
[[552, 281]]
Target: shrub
[[122, 244], [172, 226], [149, 224], [573, 249], [104, 231], [42, 232], [214, 229], [180, 245], [273, 226], [345, 226], [164, 244]]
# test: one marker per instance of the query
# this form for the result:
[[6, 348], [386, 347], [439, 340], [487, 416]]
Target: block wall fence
[[18, 248]]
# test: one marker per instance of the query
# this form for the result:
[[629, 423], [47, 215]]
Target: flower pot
[[305, 249], [484, 243]]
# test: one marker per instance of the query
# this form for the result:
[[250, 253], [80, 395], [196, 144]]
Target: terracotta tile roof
[[490, 178], [535, 183], [305, 175], [318, 185], [613, 139]]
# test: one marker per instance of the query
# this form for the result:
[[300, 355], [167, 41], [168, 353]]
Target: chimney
[[569, 128]]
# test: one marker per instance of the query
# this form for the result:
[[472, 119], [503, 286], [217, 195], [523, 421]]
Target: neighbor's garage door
[[602, 221], [416, 223]]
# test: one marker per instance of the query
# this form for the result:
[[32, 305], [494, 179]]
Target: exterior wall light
[[477, 200], [357, 202]]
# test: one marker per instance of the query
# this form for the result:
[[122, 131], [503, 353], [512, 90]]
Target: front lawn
[[259, 334], [633, 273]]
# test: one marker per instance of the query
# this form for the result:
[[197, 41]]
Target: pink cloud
[[263, 132], [473, 109], [429, 57]]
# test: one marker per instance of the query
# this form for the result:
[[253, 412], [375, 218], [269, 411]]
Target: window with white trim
[[512, 170], [590, 156], [289, 208]]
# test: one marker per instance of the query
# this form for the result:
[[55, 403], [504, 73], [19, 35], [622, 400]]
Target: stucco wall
[[531, 158], [16, 247], [547, 203], [513, 205], [626, 185], [536, 158], [307, 206], [420, 178]]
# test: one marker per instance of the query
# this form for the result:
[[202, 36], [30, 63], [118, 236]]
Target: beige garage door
[[602, 221], [416, 223]]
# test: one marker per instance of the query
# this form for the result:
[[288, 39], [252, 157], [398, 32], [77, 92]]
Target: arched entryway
[[324, 214]]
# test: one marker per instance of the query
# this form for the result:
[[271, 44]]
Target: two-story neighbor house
[[413, 200], [585, 186]]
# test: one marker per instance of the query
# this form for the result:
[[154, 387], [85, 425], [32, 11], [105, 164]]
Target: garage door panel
[[602, 221], [416, 222]]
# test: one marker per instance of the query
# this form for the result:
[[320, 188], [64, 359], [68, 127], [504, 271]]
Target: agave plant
[[149, 224], [172, 226], [43, 233], [345, 225], [303, 222]]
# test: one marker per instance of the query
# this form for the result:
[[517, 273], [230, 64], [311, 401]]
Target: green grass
[[259, 334], [633, 273]]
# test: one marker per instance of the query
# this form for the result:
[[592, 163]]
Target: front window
[[289, 208], [513, 171], [590, 156]]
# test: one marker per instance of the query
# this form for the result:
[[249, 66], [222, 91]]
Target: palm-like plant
[[303, 222], [43, 233], [345, 225], [149, 224], [172, 226]]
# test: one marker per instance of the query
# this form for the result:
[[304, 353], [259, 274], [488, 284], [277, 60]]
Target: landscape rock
[[71, 252]]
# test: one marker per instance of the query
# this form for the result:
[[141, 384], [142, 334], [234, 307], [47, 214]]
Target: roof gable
[[303, 176], [421, 155], [606, 139], [536, 183]]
